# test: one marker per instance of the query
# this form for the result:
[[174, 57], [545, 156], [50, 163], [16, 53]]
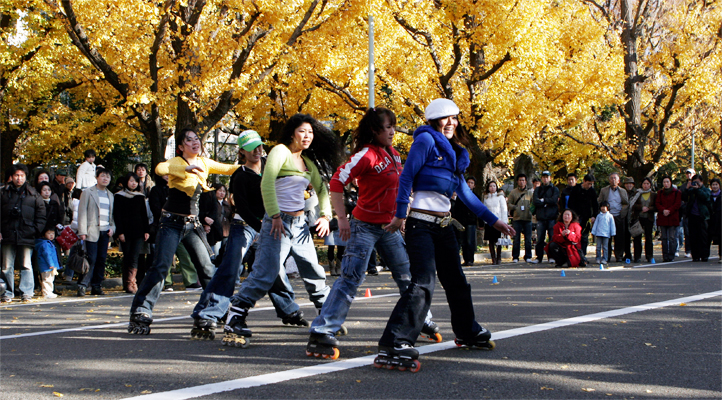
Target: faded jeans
[[13, 255]]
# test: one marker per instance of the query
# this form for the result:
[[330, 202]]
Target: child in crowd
[[47, 261], [603, 230]]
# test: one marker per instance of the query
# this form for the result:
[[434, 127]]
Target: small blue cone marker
[[601, 266], [627, 261], [494, 281], [563, 274], [653, 262]]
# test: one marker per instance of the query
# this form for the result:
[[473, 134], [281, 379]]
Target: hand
[[593, 219], [322, 229], [344, 228], [82, 237], [277, 229], [645, 209], [665, 213], [504, 228], [121, 237], [194, 169], [207, 228], [565, 232], [209, 221], [145, 237], [395, 224], [110, 233]]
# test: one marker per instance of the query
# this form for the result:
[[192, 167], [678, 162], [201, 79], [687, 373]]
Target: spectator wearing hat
[[618, 201], [583, 201], [86, 171], [687, 185], [546, 204]]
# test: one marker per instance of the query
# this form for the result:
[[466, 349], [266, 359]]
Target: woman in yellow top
[[187, 175]]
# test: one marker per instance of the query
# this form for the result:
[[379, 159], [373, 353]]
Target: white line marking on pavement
[[277, 377], [667, 263], [119, 324]]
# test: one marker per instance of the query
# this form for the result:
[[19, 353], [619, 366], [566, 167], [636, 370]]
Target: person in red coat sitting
[[566, 242]]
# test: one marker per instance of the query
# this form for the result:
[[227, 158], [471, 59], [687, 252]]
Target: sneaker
[[81, 291], [6, 300], [27, 297], [533, 261], [529, 260], [97, 291], [168, 288], [516, 260], [676, 254], [50, 296], [688, 255], [194, 286], [551, 261]]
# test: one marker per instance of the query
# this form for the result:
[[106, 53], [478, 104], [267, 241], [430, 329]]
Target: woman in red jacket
[[566, 240], [668, 202]]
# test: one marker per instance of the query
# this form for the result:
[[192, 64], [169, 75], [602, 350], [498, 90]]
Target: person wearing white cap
[[434, 170]]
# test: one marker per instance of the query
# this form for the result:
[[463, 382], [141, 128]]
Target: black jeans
[[698, 237], [647, 225], [622, 245], [432, 250]]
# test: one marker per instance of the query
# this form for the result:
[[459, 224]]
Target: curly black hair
[[325, 150]]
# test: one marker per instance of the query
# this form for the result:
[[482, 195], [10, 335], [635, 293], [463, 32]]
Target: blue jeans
[[20, 255], [216, 298], [169, 235], [525, 228], [270, 259], [543, 226], [364, 237], [97, 254], [432, 250], [602, 249]]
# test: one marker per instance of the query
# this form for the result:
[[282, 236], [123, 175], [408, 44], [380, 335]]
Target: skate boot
[[203, 329], [295, 319], [403, 357], [236, 332], [322, 345], [139, 324], [431, 331], [481, 341]]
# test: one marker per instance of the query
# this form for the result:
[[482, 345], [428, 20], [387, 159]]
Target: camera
[[16, 212]]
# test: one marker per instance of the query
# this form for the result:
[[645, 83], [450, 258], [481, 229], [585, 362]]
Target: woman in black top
[[132, 228]]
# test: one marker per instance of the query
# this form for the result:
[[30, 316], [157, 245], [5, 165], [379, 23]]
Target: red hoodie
[[377, 174]]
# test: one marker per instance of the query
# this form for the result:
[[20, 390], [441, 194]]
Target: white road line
[[667, 263], [325, 368], [155, 321]]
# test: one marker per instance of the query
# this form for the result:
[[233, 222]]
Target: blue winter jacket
[[47, 257], [604, 225], [435, 164]]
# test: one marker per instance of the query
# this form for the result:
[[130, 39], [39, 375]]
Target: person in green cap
[[247, 212]]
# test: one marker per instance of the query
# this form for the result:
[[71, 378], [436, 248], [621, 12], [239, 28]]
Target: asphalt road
[[649, 332]]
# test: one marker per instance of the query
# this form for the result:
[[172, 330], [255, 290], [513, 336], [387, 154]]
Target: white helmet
[[440, 108]]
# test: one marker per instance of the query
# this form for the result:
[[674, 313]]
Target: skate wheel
[[437, 337], [147, 330], [245, 345], [336, 353], [402, 368], [492, 345], [309, 354], [416, 366], [317, 355], [389, 366], [212, 336], [342, 332], [377, 365], [456, 342], [325, 356]]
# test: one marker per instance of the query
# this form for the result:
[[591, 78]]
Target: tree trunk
[[632, 90]]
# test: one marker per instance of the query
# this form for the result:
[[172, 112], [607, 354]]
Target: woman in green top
[[306, 151]]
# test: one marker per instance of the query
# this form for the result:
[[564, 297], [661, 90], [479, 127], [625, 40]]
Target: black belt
[[179, 218]]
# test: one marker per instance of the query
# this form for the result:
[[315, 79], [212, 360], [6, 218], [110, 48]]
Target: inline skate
[[481, 341], [323, 345], [236, 332], [204, 329], [342, 331], [403, 357], [139, 324], [431, 331], [295, 319]]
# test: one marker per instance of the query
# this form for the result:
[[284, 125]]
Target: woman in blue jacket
[[434, 170]]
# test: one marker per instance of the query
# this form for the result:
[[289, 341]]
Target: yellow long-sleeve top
[[184, 188]]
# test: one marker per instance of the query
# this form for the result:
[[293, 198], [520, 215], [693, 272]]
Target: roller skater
[[376, 166], [305, 150], [236, 332], [140, 324], [434, 170], [295, 319], [402, 357], [323, 345], [480, 341], [247, 212], [204, 329], [431, 331], [187, 179]]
